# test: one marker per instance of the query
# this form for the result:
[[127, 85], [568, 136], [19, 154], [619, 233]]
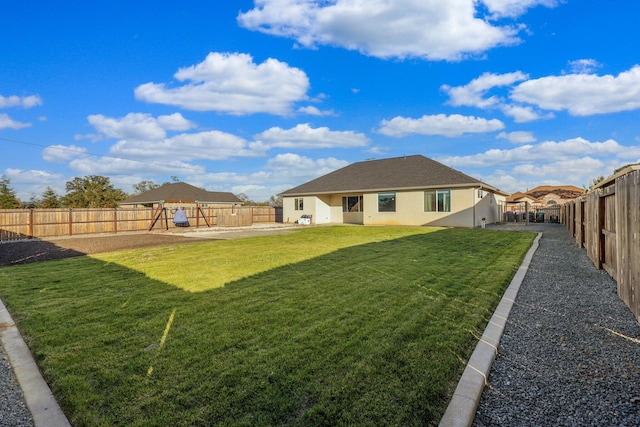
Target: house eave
[[475, 185]]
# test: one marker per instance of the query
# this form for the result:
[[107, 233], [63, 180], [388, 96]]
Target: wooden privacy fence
[[19, 224], [606, 222]]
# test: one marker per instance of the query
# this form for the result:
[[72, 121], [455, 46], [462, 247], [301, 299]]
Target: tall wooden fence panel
[[19, 224], [628, 238], [590, 229], [607, 224], [608, 246]]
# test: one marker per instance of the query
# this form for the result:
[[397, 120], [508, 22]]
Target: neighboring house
[[546, 196], [183, 202], [181, 194], [408, 190]]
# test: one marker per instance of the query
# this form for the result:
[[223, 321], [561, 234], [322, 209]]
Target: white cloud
[[518, 137], [450, 126], [19, 101], [583, 66], [303, 136], [114, 166], [314, 111], [31, 176], [139, 125], [583, 94], [577, 166], [62, 153], [524, 114], [7, 122], [542, 152], [210, 145], [33, 182], [570, 162], [280, 173], [291, 166], [433, 30], [473, 93], [232, 83], [512, 8]]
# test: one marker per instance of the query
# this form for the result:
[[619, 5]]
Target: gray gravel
[[13, 410], [570, 353]]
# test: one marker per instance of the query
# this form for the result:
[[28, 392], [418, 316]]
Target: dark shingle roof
[[183, 192], [407, 172]]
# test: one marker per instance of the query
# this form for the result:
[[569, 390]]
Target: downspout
[[473, 203]]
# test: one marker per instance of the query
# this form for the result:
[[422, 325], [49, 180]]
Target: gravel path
[[13, 411], [570, 352]]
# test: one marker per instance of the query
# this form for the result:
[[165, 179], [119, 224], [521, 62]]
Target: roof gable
[[181, 191], [407, 172]]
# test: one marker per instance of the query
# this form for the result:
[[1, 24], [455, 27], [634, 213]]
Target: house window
[[352, 204], [298, 204], [552, 202], [437, 201], [386, 202]]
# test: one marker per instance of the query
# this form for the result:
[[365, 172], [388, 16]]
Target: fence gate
[[524, 212]]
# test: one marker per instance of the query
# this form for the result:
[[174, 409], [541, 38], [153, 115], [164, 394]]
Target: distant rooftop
[[181, 192]]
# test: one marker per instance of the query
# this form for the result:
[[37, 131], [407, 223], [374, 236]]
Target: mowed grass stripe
[[373, 332], [203, 266]]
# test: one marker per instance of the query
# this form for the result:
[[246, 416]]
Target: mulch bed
[[23, 252]]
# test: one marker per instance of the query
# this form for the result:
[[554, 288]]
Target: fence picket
[[611, 233], [20, 224]]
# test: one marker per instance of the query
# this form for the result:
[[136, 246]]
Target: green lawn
[[322, 326]]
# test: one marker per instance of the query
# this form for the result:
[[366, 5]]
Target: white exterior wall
[[290, 214], [490, 207], [322, 209], [410, 210], [467, 209]]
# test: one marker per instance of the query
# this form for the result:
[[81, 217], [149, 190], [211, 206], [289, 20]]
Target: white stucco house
[[408, 190]]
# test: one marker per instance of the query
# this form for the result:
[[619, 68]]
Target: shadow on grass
[[375, 334], [29, 251]]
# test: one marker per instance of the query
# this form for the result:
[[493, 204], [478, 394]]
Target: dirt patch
[[24, 252]]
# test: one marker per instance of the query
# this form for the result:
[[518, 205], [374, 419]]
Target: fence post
[[31, 223], [70, 222]]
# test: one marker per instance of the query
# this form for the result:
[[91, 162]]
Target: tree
[[50, 199], [8, 198], [144, 186], [594, 182], [244, 199], [92, 191], [275, 201], [33, 202]]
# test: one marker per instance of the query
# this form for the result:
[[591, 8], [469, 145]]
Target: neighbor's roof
[[399, 173], [563, 191], [181, 192]]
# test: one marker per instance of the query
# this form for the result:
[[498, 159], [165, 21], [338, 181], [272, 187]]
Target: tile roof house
[[408, 190], [547, 195]]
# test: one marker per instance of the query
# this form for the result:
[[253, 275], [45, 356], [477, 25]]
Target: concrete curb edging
[[37, 394], [462, 408]]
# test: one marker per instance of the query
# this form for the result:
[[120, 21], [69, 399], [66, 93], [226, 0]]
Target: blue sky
[[259, 96]]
